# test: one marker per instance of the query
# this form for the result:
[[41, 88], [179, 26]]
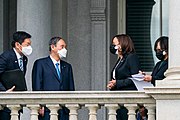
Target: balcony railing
[[92, 100]]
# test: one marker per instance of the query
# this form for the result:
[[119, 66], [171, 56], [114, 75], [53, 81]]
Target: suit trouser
[[5, 114], [122, 114]]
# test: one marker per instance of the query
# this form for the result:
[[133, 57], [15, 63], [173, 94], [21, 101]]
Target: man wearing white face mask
[[15, 59], [53, 74]]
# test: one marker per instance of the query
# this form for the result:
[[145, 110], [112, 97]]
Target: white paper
[[139, 82], [138, 77]]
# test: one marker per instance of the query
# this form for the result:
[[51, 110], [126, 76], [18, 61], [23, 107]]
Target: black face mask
[[160, 55], [112, 49]]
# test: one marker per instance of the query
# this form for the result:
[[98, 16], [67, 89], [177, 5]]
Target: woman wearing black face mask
[[126, 65], [161, 49]]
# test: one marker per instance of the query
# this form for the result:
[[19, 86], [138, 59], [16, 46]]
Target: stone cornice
[[80, 97], [163, 93]]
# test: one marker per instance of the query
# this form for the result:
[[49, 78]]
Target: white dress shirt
[[54, 62], [18, 56]]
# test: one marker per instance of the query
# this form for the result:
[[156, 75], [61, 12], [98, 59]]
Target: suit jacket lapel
[[25, 60], [14, 59], [63, 67], [51, 66], [64, 73], [121, 62], [159, 66]]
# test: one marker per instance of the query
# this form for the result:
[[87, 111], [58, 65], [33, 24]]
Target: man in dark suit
[[15, 59], [53, 74]]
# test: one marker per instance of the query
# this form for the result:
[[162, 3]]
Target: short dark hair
[[163, 40], [126, 43], [19, 37], [53, 41]]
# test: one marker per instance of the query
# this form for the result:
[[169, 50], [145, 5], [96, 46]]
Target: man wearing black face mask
[[161, 49]]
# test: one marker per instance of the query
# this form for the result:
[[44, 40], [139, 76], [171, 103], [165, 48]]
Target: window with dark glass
[[146, 20]]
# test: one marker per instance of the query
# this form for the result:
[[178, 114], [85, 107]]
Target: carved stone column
[[53, 111], [14, 111], [34, 111], [131, 111], [92, 111], [151, 111], [166, 91], [112, 110], [99, 48], [173, 73], [73, 115], [32, 18], [99, 44]]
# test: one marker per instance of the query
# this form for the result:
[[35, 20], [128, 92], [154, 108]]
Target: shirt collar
[[54, 61], [17, 54]]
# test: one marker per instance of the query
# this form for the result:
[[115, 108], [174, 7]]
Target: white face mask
[[116, 47], [62, 53], [27, 50]]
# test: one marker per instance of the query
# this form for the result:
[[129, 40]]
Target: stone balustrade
[[74, 100]]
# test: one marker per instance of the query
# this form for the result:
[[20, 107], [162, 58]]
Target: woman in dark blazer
[[126, 65], [161, 49]]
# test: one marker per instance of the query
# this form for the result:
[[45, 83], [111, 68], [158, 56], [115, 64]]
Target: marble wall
[[34, 17], [79, 42]]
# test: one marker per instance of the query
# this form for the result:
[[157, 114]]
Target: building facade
[[88, 26]]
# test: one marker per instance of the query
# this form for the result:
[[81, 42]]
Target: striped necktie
[[58, 71], [21, 64]]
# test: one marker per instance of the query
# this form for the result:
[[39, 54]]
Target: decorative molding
[[98, 10], [98, 3], [172, 78], [173, 73], [121, 16], [98, 14]]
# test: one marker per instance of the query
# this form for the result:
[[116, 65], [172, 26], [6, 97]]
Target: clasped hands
[[111, 84]]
